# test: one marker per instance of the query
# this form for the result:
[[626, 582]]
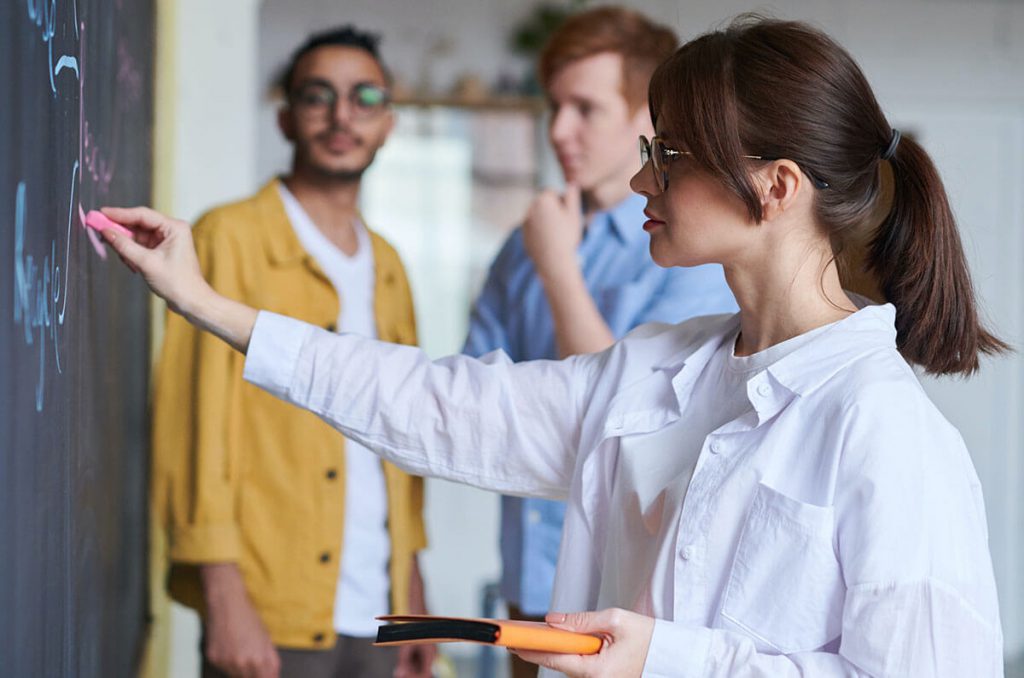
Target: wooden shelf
[[496, 103]]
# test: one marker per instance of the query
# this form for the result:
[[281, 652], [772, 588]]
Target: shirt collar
[[282, 245], [651, 403], [696, 348], [282, 242], [805, 369], [624, 219], [870, 329]]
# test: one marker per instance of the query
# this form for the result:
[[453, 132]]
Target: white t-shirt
[[363, 582]]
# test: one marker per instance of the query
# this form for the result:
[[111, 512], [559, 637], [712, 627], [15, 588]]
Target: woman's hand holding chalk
[[163, 252], [98, 221]]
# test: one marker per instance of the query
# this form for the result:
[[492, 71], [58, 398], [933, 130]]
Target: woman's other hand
[[626, 638]]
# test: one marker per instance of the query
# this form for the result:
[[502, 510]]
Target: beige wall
[[204, 149]]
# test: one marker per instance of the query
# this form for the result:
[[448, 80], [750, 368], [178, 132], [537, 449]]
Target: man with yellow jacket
[[286, 537]]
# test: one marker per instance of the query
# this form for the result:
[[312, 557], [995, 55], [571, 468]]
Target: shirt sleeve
[[682, 651], [508, 427], [912, 539], [413, 503], [919, 629]]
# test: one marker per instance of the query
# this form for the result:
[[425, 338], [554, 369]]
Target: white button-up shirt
[[836, 529]]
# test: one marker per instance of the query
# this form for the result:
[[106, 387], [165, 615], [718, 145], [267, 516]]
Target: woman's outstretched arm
[[513, 428]]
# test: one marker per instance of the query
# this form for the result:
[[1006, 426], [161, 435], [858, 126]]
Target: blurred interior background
[[470, 149]]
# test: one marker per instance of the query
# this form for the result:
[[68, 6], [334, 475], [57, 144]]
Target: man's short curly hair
[[343, 36]]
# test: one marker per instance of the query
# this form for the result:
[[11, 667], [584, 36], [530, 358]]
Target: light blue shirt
[[512, 314]]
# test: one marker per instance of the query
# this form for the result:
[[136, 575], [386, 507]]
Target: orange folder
[[519, 635]]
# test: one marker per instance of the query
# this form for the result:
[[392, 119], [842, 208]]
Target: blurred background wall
[[461, 167]]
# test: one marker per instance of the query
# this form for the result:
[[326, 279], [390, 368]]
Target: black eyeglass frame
[[660, 168], [359, 109]]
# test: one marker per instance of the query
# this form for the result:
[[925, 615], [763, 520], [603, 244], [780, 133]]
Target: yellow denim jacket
[[239, 476]]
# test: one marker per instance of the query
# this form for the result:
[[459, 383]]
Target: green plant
[[531, 34]]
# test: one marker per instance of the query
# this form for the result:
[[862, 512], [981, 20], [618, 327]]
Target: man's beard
[[345, 175]]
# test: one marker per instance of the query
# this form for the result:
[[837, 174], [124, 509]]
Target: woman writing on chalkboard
[[769, 493]]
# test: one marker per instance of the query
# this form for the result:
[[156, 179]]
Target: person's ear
[[380, 134], [285, 122], [780, 183], [389, 124]]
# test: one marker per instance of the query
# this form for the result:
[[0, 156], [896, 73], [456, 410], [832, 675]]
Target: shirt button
[[686, 552], [533, 516], [331, 474], [764, 390], [325, 557], [715, 447]]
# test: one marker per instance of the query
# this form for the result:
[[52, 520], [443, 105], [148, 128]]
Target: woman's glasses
[[318, 99], [660, 156]]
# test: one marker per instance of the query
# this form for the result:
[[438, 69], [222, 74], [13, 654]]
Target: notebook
[[518, 635]]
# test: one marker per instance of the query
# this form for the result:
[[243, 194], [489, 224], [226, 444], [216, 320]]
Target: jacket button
[[318, 638], [331, 474], [325, 557], [331, 327]]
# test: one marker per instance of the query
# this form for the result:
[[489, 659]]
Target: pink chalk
[[97, 244], [99, 221], [93, 238]]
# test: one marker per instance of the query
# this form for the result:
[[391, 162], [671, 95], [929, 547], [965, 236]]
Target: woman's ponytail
[[782, 89], [919, 263]]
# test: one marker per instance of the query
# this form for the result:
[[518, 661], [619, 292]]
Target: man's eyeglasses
[[318, 99], [659, 155]]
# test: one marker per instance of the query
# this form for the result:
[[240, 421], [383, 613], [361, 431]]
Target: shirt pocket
[[785, 589]]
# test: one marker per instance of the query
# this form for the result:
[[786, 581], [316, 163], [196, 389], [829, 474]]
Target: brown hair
[[642, 44], [781, 89]]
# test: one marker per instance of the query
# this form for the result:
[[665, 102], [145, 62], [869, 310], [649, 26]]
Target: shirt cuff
[[677, 651], [206, 544], [273, 354]]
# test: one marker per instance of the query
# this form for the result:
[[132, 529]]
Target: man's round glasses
[[318, 99], [660, 156]]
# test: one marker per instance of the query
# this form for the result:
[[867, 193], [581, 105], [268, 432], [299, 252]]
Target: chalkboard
[[75, 132]]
